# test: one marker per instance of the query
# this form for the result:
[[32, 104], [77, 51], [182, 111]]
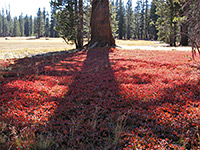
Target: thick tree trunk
[[101, 34]]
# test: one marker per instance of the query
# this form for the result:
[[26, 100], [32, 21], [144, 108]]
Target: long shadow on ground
[[89, 112]]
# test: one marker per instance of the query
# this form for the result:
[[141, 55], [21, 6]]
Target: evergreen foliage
[[129, 15], [114, 21], [86, 20], [153, 17], [69, 15], [27, 26], [121, 20]]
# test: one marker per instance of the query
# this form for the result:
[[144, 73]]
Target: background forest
[[171, 21]]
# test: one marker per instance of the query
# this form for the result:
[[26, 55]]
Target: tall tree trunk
[[146, 20], [101, 34], [184, 34], [172, 24], [80, 27]]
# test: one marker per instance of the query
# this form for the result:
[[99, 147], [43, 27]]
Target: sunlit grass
[[137, 42], [20, 47]]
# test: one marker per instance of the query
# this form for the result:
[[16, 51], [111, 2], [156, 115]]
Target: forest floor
[[99, 99]]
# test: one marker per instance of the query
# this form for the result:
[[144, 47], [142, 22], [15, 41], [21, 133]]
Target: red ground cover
[[101, 98]]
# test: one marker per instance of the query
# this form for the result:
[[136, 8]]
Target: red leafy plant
[[101, 99]]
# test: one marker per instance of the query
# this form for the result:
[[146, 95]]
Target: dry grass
[[23, 46], [18, 47], [137, 43], [32, 43]]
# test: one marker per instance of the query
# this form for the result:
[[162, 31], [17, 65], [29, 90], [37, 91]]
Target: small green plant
[[43, 142]]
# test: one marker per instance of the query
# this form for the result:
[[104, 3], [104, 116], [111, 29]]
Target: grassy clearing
[[26, 46], [137, 43], [21, 47]]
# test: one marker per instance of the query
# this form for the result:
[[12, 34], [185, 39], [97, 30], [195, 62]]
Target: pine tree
[[69, 18], [168, 21], [153, 17], [86, 20], [35, 26], [142, 20], [53, 32], [121, 20], [137, 12], [47, 26], [4, 24], [101, 34], [31, 25], [16, 28], [44, 13], [21, 24], [26, 26], [40, 24], [129, 19], [114, 22], [1, 24], [9, 25], [80, 24], [146, 24], [192, 20]]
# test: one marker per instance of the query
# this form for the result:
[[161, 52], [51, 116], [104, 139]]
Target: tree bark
[[184, 34], [80, 28], [101, 34]]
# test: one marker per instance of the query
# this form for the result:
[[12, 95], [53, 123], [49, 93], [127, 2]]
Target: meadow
[[102, 98]]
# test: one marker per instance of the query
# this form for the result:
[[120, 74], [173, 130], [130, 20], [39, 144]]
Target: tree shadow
[[34, 86], [89, 112], [87, 108]]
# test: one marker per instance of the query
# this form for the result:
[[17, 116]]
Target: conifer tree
[[4, 24], [153, 19], [114, 21], [35, 26], [47, 26], [137, 12], [31, 25], [69, 16], [26, 26], [16, 29], [1, 24], [86, 20], [121, 20], [168, 20], [40, 24], [192, 21], [101, 34], [146, 24], [9, 25], [53, 32], [129, 19], [142, 20], [21, 25]]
